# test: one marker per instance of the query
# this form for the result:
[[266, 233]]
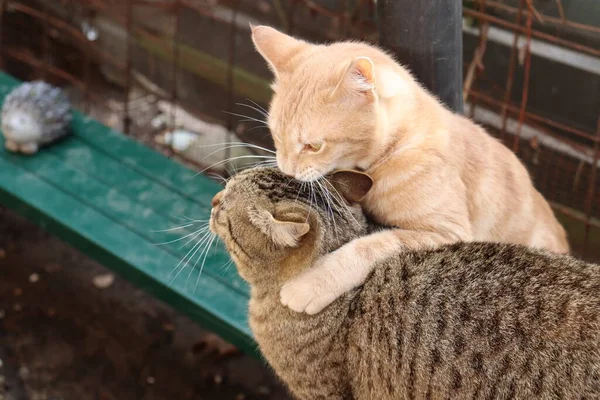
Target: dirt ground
[[62, 338]]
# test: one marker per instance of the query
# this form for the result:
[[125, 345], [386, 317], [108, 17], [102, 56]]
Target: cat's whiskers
[[290, 180], [200, 231], [264, 110], [202, 221], [326, 196], [248, 118], [258, 127], [186, 218], [225, 267], [187, 257], [330, 202], [197, 254], [300, 190], [340, 200], [189, 222], [177, 228], [208, 247], [222, 180], [258, 110], [235, 145], [203, 247], [228, 160], [311, 196], [230, 147], [264, 164], [319, 194], [197, 232]]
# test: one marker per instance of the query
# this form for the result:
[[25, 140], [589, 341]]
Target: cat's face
[[264, 217], [315, 130], [324, 115]]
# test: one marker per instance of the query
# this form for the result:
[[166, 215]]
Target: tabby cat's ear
[[276, 48], [353, 186], [282, 233]]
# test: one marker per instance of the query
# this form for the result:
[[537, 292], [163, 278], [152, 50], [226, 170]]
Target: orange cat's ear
[[362, 77], [357, 78], [282, 233], [276, 48], [365, 71], [353, 186]]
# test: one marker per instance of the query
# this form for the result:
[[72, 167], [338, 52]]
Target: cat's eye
[[313, 147]]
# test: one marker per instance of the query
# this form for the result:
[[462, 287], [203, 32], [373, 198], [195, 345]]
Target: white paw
[[309, 293], [318, 287]]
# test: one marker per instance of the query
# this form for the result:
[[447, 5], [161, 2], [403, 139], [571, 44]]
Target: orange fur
[[438, 176]]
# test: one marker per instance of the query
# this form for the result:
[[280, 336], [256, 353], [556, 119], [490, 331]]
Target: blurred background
[[181, 75], [174, 73]]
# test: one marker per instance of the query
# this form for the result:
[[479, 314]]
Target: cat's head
[[268, 219], [329, 109]]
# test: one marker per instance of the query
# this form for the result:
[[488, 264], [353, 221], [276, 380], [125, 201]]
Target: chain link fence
[[181, 72]]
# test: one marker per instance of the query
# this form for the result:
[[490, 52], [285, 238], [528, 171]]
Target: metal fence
[[127, 60]]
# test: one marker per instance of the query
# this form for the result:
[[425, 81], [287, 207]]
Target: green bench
[[113, 198]]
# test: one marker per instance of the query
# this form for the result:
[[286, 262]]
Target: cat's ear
[[276, 47], [282, 233], [353, 186], [362, 77], [357, 78]]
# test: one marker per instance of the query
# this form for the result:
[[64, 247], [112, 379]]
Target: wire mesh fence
[[152, 68]]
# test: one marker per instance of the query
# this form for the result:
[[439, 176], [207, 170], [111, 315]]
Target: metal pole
[[426, 36]]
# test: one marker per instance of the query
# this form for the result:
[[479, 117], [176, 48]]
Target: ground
[[62, 338]]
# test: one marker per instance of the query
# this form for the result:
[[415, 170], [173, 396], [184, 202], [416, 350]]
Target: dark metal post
[[426, 35]]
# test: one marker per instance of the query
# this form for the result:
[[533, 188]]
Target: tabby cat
[[463, 321]]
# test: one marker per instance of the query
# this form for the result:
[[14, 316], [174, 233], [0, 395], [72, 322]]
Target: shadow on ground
[[61, 338]]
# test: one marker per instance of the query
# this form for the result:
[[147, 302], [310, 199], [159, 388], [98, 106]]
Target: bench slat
[[213, 304], [106, 169], [144, 160], [106, 195], [122, 210]]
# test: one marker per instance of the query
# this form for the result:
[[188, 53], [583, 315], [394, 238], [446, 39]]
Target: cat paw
[[311, 292], [305, 295]]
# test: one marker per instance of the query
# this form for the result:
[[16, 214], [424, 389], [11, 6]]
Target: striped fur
[[464, 321]]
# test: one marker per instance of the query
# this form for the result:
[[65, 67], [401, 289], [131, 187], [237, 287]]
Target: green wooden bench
[[109, 197]]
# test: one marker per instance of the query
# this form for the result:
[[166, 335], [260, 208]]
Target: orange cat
[[438, 177]]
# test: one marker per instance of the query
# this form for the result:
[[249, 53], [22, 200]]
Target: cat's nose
[[217, 199]]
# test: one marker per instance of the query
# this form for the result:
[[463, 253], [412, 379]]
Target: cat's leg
[[349, 266]]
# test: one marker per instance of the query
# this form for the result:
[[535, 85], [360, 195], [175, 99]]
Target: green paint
[[107, 196]]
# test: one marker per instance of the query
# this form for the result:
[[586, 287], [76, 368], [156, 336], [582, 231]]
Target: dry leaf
[[103, 281]]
